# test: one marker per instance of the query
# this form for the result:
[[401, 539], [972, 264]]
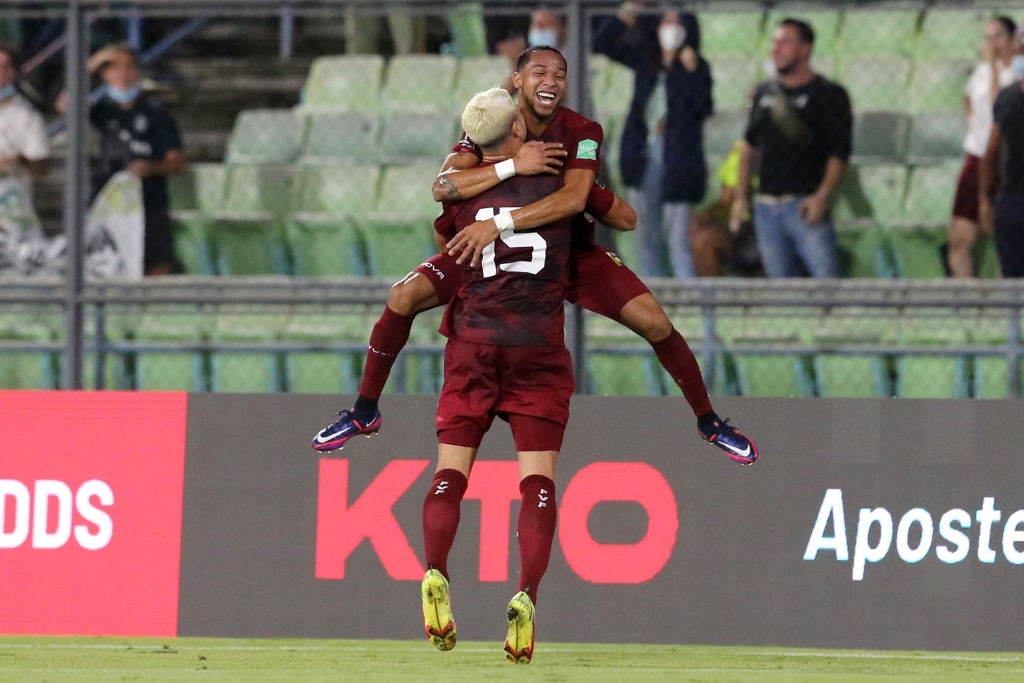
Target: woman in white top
[[988, 78]]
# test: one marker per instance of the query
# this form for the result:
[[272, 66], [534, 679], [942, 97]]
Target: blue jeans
[[653, 216], [791, 248]]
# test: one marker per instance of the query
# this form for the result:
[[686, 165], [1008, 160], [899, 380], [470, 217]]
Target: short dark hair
[[1008, 25], [803, 30], [12, 53], [525, 55]]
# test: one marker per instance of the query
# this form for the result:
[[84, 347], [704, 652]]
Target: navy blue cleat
[[335, 435], [737, 445]]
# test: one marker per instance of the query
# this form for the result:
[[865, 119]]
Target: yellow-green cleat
[[519, 641], [438, 621]]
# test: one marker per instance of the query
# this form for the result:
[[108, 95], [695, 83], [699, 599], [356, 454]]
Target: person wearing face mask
[[24, 148], [138, 134], [993, 73], [1001, 171], [662, 148]]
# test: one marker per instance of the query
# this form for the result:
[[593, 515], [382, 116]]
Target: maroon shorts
[[444, 273], [965, 203], [599, 282], [530, 386]]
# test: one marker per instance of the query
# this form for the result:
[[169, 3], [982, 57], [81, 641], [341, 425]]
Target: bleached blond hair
[[488, 116]]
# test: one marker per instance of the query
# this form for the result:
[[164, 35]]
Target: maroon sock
[[389, 335], [676, 357], [441, 517], [536, 530]]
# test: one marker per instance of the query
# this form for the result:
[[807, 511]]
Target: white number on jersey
[[515, 240]]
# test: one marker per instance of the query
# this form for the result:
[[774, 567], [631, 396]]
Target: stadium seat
[[932, 376], [247, 367], [421, 366], [399, 229], [200, 187], [327, 369], [417, 136], [323, 233], [611, 101], [879, 136], [990, 373], [192, 242], [344, 82], [951, 32], [248, 234], [918, 252], [421, 82], [929, 198], [936, 136], [876, 83], [734, 81], [839, 370], [618, 362], [721, 132], [871, 193], [26, 368], [877, 32], [265, 136], [779, 373], [938, 84], [865, 251], [166, 369], [257, 188], [341, 136], [476, 74], [731, 34], [467, 25]]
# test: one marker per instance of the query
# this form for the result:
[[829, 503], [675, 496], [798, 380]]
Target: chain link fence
[[314, 131]]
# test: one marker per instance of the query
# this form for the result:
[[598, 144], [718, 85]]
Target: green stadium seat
[[879, 136], [169, 370], [929, 199], [936, 136], [417, 136], [722, 130], [476, 74], [341, 136], [344, 82], [336, 189], [731, 33], [951, 32], [734, 81], [938, 84], [847, 373], [192, 242], [325, 370], [918, 252], [776, 373], [399, 229], [990, 376], [865, 251], [247, 368], [876, 83], [248, 234], [420, 82], [611, 101], [469, 35], [871, 193], [257, 188], [932, 376], [26, 368], [878, 32], [262, 136], [420, 369], [200, 187]]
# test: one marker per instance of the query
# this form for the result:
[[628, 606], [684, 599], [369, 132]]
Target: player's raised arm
[[610, 209], [461, 178]]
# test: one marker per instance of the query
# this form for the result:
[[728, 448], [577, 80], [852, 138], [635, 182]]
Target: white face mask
[[671, 37], [542, 36]]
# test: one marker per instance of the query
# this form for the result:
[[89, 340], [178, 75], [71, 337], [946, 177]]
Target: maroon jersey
[[514, 297]]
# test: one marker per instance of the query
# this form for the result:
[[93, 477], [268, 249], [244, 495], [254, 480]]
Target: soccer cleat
[[334, 436], [519, 641], [737, 445], [438, 621]]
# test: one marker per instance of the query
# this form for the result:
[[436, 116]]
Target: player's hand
[[986, 216], [813, 209], [739, 213], [536, 157], [471, 241]]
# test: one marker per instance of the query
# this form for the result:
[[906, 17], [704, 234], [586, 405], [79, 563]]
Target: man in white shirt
[[24, 148]]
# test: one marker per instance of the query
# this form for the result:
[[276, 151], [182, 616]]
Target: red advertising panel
[[90, 512]]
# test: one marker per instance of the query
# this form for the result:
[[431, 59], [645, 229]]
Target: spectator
[[1003, 167], [24, 148], [799, 133], [138, 134], [715, 248], [662, 148], [993, 73], [546, 28]]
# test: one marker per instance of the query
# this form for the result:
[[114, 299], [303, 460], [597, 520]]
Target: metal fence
[[333, 182]]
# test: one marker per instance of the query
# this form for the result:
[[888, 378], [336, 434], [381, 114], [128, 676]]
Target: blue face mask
[[8, 91], [1017, 63], [123, 96]]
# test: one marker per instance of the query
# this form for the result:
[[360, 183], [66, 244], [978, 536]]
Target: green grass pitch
[[87, 660]]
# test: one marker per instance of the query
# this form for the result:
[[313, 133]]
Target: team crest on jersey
[[587, 149], [614, 257]]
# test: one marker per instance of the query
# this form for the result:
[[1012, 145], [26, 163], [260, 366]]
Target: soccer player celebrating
[[599, 281], [505, 357]]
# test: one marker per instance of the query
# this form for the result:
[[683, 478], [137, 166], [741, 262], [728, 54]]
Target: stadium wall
[[866, 524]]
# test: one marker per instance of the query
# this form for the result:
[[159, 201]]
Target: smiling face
[[541, 84]]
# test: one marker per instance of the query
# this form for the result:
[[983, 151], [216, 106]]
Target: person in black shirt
[[137, 134], [1002, 173], [800, 131]]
